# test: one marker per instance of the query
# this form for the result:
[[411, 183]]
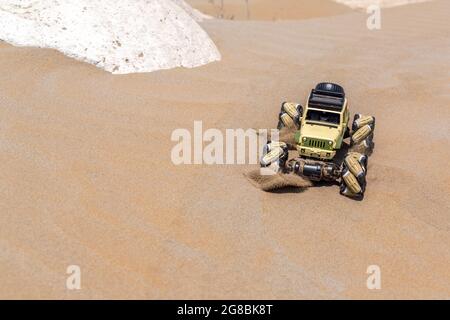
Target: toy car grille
[[316, 143]]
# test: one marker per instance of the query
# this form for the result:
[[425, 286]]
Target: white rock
[[125, 36]]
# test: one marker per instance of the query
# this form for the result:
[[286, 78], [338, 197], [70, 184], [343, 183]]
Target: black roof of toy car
[[328, 96]]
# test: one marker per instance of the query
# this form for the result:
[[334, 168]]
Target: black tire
[[330, 87], [365, 163], [347, 133], [300, 110], [356, 117], [280, 123]]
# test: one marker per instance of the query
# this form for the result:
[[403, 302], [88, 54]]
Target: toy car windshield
[[318, 116]]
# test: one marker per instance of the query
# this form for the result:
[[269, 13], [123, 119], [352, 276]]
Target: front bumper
[[316, 153]]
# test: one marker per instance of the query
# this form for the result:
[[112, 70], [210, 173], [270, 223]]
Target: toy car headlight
[[330, 143], [304, 139]]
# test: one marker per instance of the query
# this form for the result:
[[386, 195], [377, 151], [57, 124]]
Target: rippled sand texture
[[86, 176]]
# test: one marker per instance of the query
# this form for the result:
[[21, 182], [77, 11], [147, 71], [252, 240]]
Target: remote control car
[[320, 131]]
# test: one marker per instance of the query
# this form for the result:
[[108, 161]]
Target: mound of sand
[[272, 182], [119, 36], [269, 9]]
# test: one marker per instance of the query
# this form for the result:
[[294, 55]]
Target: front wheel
[[290, 115], [275, 153], [353, 177]]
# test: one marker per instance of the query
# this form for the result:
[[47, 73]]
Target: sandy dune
[[86, 176], [269, 9]]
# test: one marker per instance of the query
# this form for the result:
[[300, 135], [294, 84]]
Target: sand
[[87, 178], [269, 9], [364, 4]]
